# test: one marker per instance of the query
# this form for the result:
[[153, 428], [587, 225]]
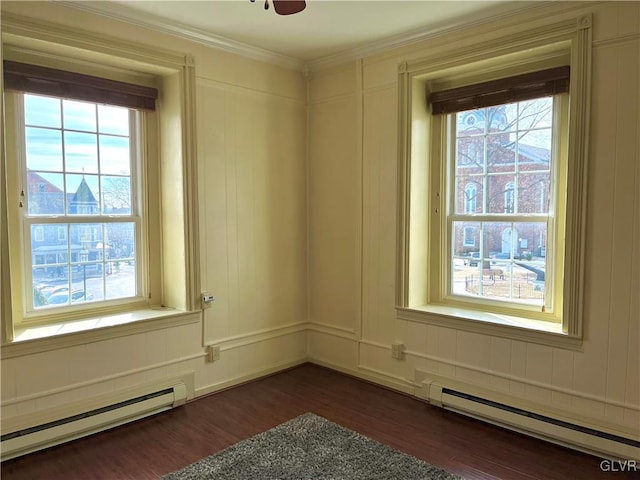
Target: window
[[80, 167], [520, 150], [79, 175], [161, 243], [491, 186], [84, 155]]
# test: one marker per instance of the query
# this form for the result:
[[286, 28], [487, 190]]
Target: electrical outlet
[[397, 351], [206, 299], [213, 353]]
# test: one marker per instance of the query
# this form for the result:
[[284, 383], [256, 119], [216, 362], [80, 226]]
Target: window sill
[[40, 338], [487, 323]]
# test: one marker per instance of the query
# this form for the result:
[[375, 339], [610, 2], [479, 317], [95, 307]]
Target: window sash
[[29, 265]]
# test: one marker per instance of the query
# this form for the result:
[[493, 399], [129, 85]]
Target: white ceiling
[[325, 28]]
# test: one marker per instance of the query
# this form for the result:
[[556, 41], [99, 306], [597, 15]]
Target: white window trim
[[418, 189], [178, 284]]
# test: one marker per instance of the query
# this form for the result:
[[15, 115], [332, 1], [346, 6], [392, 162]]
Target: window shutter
[[504, 90], [25, 78]]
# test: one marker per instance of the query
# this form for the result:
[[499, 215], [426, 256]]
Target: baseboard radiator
[[515, 416], [19, 437]]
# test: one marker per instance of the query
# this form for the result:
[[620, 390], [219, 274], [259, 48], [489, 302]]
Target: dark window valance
[[25, 78], [504, 90]]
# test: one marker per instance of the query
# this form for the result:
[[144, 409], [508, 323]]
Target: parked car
[[63, 297], [52, 290], [473, 259]]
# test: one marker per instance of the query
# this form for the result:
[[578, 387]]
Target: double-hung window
[[80, 210], [492, 185], [507, 193]]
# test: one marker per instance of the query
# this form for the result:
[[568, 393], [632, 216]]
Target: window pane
[[114, 155], [470, 155], [82, 194], [116, 195], [533, 193], [44, 149], [121, 280], [536, 113], [81, 152], [79, 115], [500, 194], [468, 194], [102, 263], [534, 150], [501, 153], [114, 120], [49, 257], [45, 193], [42, 111], [508, 264], [86, 280], [501, 118], [466, 239], [470, 122]]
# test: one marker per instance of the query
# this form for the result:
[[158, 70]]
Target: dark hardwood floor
[[157, 445]]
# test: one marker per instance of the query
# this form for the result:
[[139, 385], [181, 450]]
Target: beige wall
[[298, 224], [251, 147], [352, 225]]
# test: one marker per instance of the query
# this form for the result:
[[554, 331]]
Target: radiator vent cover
[[516, 415], [132, 405]]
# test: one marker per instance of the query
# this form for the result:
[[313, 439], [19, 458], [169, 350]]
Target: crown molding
[[125, 14], [156, 23], [419, 35]]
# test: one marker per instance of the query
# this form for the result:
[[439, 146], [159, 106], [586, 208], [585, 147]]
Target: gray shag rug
[[310, 447]]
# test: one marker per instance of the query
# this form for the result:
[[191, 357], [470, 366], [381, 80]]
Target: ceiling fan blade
[[288, 7]]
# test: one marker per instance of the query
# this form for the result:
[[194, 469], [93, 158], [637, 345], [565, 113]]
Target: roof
[[83, 195]]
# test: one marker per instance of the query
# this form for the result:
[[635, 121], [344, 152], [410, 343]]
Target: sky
[[75, 138]]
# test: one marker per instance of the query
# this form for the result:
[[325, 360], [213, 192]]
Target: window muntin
[[82, 222], [512, 187]]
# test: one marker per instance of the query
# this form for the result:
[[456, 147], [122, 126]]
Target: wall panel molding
[[341, 332], [421, 373], [630, 38], [341, 97], [244, 90], [95, 381], [524, 381], [244, 339]]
